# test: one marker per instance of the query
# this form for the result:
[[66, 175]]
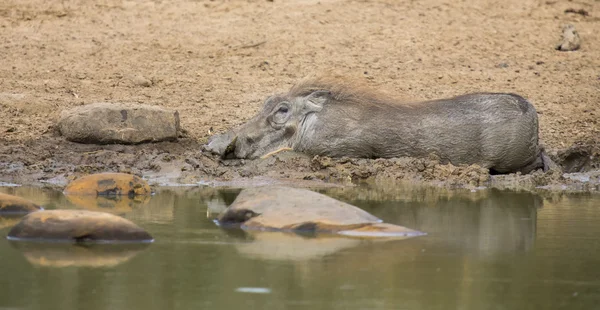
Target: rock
[[301, 210], [105, 123], [570, 39], [109, 184], [141, 81], [59, 255], [10, 204], [77, 226]]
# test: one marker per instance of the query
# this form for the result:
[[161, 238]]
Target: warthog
[[329, 117]]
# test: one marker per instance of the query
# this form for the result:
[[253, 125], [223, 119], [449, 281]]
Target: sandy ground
[[216, 61]]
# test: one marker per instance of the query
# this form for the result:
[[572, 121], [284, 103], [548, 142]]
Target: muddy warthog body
[[333, 118]]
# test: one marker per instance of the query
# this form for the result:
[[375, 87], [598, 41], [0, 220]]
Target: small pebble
[[141, 81], [570, 39]]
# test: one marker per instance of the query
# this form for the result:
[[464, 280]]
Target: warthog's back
[[497, 131]]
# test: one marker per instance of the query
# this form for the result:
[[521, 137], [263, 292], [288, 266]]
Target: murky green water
[[485, 250]]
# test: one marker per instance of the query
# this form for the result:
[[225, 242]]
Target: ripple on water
[[253, 290]]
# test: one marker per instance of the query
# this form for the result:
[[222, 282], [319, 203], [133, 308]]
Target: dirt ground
[[216, 61]]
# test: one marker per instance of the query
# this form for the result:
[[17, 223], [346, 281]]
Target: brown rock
[[108, 184], [10, 204], [292, 209], [139, 80], [77, 226], [105, 123]]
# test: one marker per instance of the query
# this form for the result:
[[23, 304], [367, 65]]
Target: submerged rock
[[108, 184], [77, 226], [10, 204], [105, 123], [301, 210]]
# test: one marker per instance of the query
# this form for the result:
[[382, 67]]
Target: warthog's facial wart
[[275, 127]]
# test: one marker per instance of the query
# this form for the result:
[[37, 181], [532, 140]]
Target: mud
[[216, 61], [54, 162]]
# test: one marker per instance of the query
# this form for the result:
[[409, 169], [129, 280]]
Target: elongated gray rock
[[106, 123], [77, 226], [301, 210]]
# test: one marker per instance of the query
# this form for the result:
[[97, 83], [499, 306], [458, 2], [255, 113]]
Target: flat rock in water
[[77, 226], [10, 204], [108, 184], [292, 209], [106, 123]]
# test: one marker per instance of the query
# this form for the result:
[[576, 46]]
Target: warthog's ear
[[316, 100]]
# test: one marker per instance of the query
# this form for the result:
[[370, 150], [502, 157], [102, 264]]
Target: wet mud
[[51, 161]]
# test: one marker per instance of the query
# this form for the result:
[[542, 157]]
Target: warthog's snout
[[222, 144], [333, 118], [232, 145]]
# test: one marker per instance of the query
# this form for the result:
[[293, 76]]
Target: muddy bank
[[217, 61], [52, 161]]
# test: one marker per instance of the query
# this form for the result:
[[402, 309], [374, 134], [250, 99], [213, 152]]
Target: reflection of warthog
[[324, 116]]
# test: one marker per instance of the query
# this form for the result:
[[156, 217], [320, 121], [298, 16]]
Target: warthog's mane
[[344, 91]]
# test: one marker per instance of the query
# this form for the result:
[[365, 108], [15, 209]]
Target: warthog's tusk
[[283, 149]]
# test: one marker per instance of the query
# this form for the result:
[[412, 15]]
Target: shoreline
[[53, 162]]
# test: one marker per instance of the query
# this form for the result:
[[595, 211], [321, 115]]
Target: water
[[484, 250]]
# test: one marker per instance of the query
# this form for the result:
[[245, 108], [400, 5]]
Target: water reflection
[[486, 222], [111, 204], [46, 197], [487, 249], [290, 246], [10, 220], [77, 255]]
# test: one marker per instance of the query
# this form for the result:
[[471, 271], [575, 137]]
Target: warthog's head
[[281, 122]]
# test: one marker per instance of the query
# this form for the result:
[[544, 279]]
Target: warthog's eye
[[281, 115]]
